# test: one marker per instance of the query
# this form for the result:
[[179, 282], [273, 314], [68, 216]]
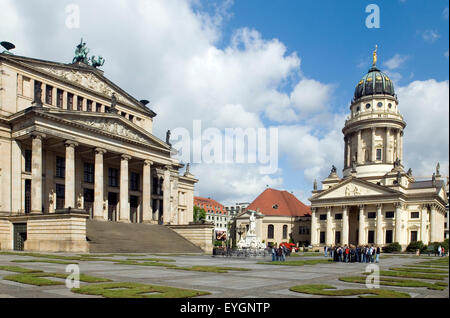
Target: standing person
[[439, 250], [332, 248], [347, 253], [378, 254], [358, 254], [274, 252], [325, 251]]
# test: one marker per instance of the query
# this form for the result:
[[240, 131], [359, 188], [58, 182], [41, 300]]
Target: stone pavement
[[267, 281]]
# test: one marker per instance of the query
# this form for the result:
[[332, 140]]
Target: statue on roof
[[113, 102], [168, 138], [315, 185], [397, 163], [97, 62], [81, 53], [333, 169], [409, 173], [438, 170], [375, 58]]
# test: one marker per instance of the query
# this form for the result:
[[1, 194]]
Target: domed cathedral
[[376, 202]]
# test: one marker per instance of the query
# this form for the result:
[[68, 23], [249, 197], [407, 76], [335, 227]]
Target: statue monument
[[251, 241]]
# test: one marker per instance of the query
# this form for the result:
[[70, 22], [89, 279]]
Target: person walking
[[325, 251], [439, 250], [378, 254], [274, 252]]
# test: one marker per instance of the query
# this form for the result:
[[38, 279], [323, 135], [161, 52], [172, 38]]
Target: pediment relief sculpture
[[352, 190], [111, 127]]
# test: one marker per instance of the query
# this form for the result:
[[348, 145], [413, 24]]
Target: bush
[[442, 244], [414, 246], [392, 248]]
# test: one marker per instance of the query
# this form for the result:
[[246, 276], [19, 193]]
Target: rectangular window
[[60, 167], [59, 98], [89, 106], [113, 177], [123, 114], [27, 160], [88, 172], [415, 215], [322, 237], [37, 85], [371, 237], [338, 216], [48, 94], [79, 103], [389, 236], [413, 236], [107, 109], [134, 181], [322, 217], [130, 118], [371, 215], [98, 107], [70, 101], [379, 154], [390, 215], [337, 237], [60, 196]]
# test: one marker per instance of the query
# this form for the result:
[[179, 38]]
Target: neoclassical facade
[[376, 201], [74, 146]]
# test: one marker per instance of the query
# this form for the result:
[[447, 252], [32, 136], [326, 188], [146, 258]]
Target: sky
[[290, 65]]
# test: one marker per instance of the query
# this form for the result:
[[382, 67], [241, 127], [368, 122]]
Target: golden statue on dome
[[375, 56]]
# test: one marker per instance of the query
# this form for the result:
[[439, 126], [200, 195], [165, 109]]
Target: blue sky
[[287, 64]]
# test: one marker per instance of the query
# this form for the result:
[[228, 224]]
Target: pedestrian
[[347, 253], [325, 251], [439, 250], [378, 254], [332, 252], [274, 252]]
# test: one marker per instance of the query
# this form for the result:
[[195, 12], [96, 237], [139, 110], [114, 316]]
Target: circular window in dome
[[367, 106], [380, 104]]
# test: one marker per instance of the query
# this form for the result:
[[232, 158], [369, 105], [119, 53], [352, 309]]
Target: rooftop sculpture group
[[81, 55]]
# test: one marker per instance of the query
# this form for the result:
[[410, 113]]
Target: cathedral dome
[[373, 83]]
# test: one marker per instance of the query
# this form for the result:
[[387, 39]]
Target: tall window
[[113, 177], [89, 106], [389, 236], [413, 236], [371, 238], [88, 172], [60, 167], [60, 196], [98, 107], [337, 237], [70, 101], [285, 232], [322, 237], [379, 153], [59, 98], [48, 94], [134, 181], [79, 103], [270, 231], [27, 160], [37, 85]]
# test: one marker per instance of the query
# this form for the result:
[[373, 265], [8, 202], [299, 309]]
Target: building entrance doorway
[[89, 202], [20, 236], [353, 225], [134, 204], [112, 206]]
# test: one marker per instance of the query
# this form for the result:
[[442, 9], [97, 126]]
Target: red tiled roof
[[209, 204], [288, 204]]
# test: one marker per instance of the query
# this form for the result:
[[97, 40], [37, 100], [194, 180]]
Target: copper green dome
[[373, 83]]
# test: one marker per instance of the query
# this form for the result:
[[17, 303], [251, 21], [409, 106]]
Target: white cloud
[[430, 36], [445, 13], [425, 106], [311, 96], [396, 61]]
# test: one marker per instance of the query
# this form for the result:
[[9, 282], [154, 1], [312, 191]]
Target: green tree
[[199, 214]]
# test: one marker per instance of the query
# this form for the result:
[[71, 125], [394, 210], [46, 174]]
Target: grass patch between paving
[[151, 259], [136, 290], [396, 282], [212, 269], [51, 261], [17, 269], [328, 290], [419, 270], [410, 275], [41, 279]]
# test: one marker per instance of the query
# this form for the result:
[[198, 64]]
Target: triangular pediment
[[83, 76], [353, 188], [110, 124]]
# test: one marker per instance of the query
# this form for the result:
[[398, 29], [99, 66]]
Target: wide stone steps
[[114, 237]]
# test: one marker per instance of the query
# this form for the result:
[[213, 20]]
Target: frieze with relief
[[110, 127], [86, 80]]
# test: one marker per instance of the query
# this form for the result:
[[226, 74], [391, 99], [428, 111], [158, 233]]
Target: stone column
[[401, 146], [99, 195], [36, 173], [64, 101], [17, 166], [69, 200], [124, 213], [349, 152], [314, 240], [387, 155], [374, 149], [329, 236], [398, 223], [345, 225], [362, 226], [166, 196], [147, 214], [379, 240], [423, 224], [434, 236], [359, 148]]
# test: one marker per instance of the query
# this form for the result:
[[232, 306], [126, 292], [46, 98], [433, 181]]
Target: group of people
[[279, 254], [353, 254], [441, 251]]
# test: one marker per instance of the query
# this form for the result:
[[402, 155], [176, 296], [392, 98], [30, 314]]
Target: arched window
[[270, 231], [285, 230]]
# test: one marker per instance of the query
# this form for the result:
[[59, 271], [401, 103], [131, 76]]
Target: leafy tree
[[199, 214]]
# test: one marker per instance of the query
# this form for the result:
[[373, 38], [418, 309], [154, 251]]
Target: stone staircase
[[114, 237]]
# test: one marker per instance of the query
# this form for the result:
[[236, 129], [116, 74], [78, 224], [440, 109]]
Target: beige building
[[76, 146], [377, 201], [280, 218]]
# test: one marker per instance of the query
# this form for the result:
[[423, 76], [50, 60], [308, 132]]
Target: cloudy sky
[[290, 64]]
